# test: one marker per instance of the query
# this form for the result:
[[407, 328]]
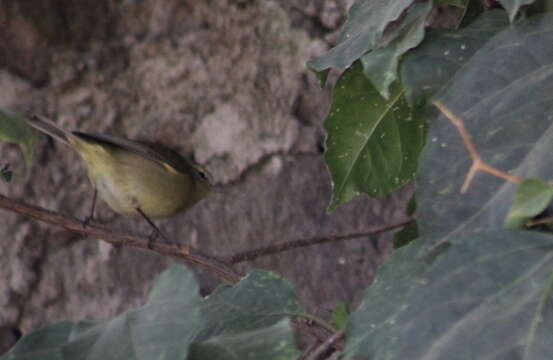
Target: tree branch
[[117, 238], [249, 255]]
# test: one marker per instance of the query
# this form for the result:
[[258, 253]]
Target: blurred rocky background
[[221, 81]]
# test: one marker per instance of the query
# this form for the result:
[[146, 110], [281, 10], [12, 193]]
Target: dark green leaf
[[260, 300], [16, 131], [481, 291], [409, 233], [503, 97], [371, 326], [250, 320], [380, 65], [340, 316], [372, 144], [363, 31], [161, 329], [532, 197], [275, 342], [513, 6], [45, 343], [488, 296], [432, 65]]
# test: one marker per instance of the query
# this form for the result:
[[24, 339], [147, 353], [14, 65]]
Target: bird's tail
[[48, 127]]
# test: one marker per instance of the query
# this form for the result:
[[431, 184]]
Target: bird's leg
[[155, 232], [90, 216]]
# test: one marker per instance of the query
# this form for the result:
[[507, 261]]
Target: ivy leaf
[[381, 65], [480, 291], [163, 328], [14, 130], [372, 144], [431, 65], [503, 97], [273, 342], [259, 300], [371, 327], [250, 320], [47, 341], [532, 197], [363, 31]]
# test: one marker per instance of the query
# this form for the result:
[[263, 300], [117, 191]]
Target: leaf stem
[[477, 163]]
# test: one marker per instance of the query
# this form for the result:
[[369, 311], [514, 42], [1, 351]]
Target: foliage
[[530, 199], [369, 136], [250, 320], [463, 278], [16, 131]]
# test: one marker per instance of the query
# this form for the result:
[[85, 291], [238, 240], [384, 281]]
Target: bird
[[134, 178]]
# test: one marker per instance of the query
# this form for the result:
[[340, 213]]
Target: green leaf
[[260, 300], [513, 6], [363, 31], [340, 316], [503, 96], [381, 65], [14, 130], [46, 342], [482, 290], [272, 342], [161, 329], [532, 197], [409, 233], [370, 327], [430, 66], [249, 318], [372, 144]]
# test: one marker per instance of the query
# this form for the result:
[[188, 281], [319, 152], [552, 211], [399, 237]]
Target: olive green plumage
[[131, 175]]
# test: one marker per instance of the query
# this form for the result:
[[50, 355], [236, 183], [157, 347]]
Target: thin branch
[[249, 255], [325, 346], [477, 163], [117, 238]]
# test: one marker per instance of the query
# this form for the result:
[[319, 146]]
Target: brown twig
[[477, 163], [186, 253], [325, 346], [115, 237], [249, 255]]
